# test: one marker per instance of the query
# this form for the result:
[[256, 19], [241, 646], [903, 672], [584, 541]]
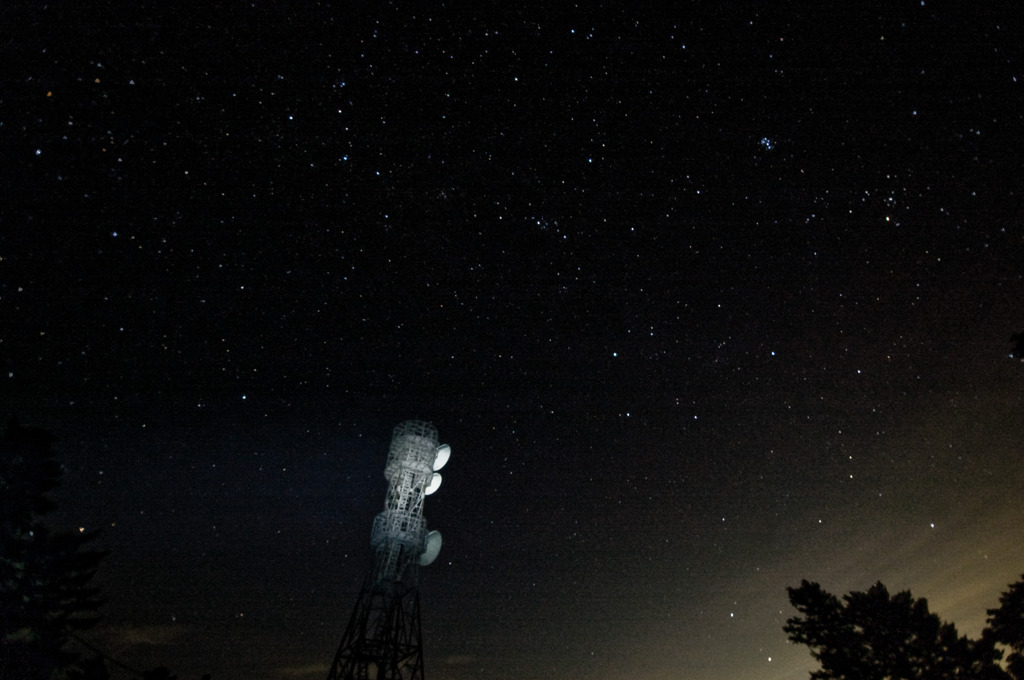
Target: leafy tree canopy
[[873, 635], [1006, 626]]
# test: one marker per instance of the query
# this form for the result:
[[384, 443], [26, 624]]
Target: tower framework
[[383, 639]]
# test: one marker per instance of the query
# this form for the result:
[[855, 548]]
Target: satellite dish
[[431, 546], [435, 482], [441, 456]]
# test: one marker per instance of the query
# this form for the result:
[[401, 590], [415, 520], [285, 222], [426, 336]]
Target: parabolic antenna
[[435, 482], [441, 456], [431, 546]]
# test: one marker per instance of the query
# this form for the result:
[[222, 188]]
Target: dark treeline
[[873, 635], [46, 594]]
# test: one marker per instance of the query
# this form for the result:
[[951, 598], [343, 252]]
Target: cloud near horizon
[[149, 635], [317, 670]]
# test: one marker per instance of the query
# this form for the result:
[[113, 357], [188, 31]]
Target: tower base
[[382, 640]]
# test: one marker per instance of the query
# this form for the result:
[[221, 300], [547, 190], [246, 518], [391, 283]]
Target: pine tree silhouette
[[45, 575]]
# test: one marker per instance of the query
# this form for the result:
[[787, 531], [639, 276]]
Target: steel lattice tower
[[383, 640]]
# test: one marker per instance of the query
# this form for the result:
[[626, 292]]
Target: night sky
[[706, 300]]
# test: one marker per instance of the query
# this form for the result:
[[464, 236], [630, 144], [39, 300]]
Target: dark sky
[[706, 300]]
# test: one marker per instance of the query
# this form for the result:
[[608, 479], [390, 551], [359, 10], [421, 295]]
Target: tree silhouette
[[874, 636], [44, 575], [1006, 626], [159, 673]]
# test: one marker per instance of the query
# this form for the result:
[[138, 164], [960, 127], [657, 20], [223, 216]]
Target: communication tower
[[382, 640]]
